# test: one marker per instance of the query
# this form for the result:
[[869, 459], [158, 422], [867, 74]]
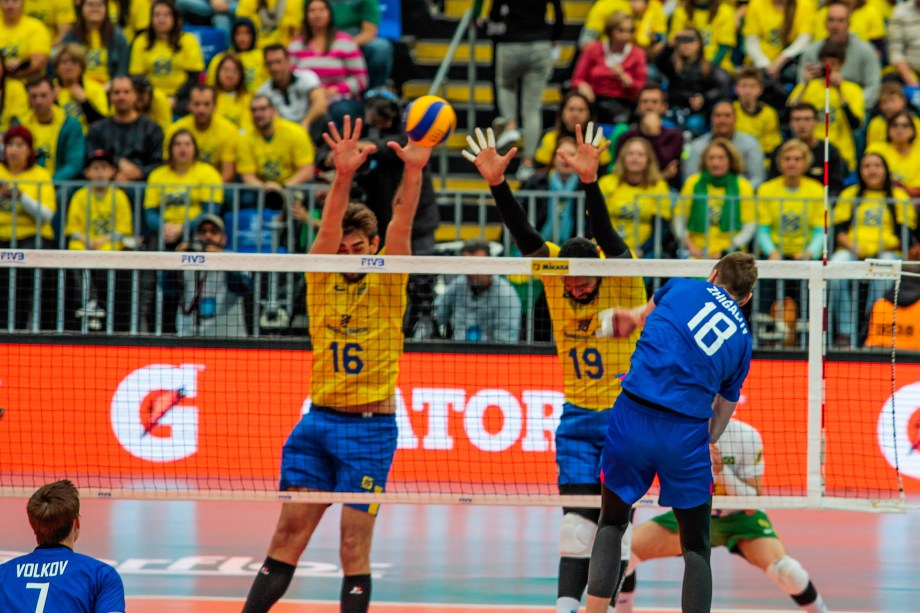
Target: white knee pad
[[789, 575], [576, 536], [626, 546]]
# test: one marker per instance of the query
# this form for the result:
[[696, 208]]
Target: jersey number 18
[[722, 334]]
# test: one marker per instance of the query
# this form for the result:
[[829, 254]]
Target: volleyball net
[[181, 375]]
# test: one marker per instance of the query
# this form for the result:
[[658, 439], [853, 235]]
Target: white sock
[[625, 603], [818, 606], [567, 605]]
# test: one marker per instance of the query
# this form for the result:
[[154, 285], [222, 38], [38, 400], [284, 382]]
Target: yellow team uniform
[[160, 112], [95, 94], [97, 59], [216, 145], [904, 169], [720, 31], [791, 215], [591, 366], [269, 34], [25, 39], [547, 149], [182, 196], [97, 217], [866, 24], [137, 21], [651, 26], [840, 133], [278, 158], [254, 72], [357, 337], [762, 125], [167, 68], [52, 13], [764, 21], [15, 103], [633, 208], [27, 183], [717, 240], [877, 132], [45, 136], [871, 225], [234, 108]]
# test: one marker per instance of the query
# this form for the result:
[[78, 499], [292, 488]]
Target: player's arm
[[348, 159], [492, 167], [620, 323], [585, 163], [722, 411], [405, 202]]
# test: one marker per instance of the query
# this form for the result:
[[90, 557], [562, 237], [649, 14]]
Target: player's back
[[695, 344], [58, 579]]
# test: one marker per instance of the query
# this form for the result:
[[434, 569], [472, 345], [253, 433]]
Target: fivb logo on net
[[900, 440], [151, 416]]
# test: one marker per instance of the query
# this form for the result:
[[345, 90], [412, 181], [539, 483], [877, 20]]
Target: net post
[[816, 385]]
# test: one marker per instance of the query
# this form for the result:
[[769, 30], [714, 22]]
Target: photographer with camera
[[212, 301]]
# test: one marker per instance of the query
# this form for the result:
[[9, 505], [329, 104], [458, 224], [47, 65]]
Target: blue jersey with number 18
[[55, 579], [695, 344]]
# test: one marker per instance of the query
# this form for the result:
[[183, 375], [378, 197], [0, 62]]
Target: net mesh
[[182, 375]]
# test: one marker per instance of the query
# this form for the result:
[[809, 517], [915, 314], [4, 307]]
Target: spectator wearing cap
[[479, 308], [297, 96], [216, 137], [212, 301], [58, 138], [99, 218], [135, 142], [27, 206], [25, 41]]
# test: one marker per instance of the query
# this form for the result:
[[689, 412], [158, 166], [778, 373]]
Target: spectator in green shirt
[[361, 19]]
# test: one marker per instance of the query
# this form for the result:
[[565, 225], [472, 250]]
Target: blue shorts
[[642, 442], [333, 452], [579, 443]]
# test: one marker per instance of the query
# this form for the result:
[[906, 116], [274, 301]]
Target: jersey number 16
[[722, 334]]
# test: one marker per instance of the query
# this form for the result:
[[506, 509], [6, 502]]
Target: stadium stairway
[[428, 38]]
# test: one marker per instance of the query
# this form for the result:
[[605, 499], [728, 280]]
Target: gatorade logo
[[899, 437], [151, 417]]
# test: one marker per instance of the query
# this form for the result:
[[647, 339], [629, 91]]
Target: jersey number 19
[[712, 325]]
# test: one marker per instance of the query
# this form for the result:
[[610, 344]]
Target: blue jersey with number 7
[[695, 344]]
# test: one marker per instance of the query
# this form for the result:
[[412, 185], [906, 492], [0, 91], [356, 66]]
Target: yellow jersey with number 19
[[592, 367], [356, 330]]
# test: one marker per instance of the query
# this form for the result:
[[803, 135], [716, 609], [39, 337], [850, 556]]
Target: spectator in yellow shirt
[[753, 116], [81, 98], [233, 97], [891, 101], [216, 137], [14, 103], [57, 15], [715, 213], [775, 34], [846, 102], [243, 46], [870, 220], [107, 50], [574, 110], [901, 151], [715, 21], [24, 41], [276, 22]]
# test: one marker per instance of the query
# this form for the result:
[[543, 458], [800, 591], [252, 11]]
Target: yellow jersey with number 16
[[357, 335]]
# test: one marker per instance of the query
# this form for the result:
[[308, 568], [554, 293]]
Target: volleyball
[[429, 120]]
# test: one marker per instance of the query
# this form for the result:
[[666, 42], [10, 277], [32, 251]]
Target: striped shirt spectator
[[340, 69]]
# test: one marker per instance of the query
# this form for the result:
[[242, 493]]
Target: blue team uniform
[[54, 579], [695, 344]]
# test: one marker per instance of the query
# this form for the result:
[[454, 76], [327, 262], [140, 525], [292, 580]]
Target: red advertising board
[[116, 415]]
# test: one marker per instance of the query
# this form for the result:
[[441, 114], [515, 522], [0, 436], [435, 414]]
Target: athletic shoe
[[507, 138]]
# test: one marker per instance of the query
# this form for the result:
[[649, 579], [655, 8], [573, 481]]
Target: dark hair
[[653, 87], [172, 141], [38, 80], [804, 106], [737, 274], [690, 5], [910, 119], [386, 108], [203, 87], [705, 65], [243, 22], [233, 59], [833, 50], [475, 244], [749, 72], [275, 47], [308, 31], [106, 30], [359, 218], [52, 511], [561, 128], [887, 187], [579, 247], [174, 34], [785, 30]]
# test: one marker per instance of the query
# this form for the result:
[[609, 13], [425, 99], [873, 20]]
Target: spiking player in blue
[[53, 577], [684, 381]]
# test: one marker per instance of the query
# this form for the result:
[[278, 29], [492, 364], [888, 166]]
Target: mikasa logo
[[150, 414]]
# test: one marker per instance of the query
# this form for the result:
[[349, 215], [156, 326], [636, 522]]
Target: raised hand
[[484, 156], [588, 154], [346, 154], [412, 155]]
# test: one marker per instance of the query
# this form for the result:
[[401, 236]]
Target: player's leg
[[603, 571], [695, 545], [295, 527], [651, 540], [769, 554], [357, 533]]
